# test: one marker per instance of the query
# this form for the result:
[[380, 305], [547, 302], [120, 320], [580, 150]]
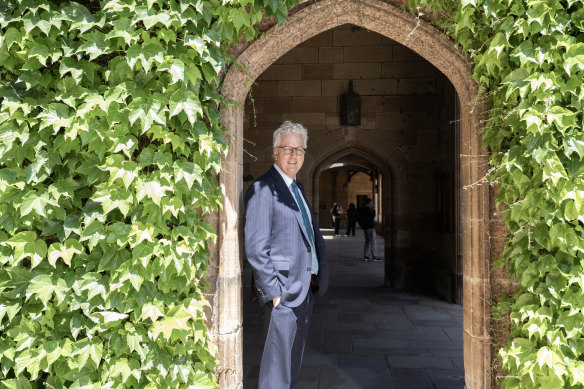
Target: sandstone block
[[355, 37], [404, 120], [264, 89], [388, 42], [330, 54], [334, 87], [401, 136], [368, 54], [376, 87], [408, 70], [357, 71], [403, 54], [300, 55], [416, 86], [372, 104], [368, 121], [273, 105], [398, 103], [428, 136], [322, 39], [309, 120], [282, 72], [266, 121], [332, 121], [314, 104], [322, 71], [299, 88]]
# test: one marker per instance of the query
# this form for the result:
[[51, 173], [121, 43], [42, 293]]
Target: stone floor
[[364, 335]]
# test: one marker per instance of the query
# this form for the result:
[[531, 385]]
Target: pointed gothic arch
[[388, 166], [225, 271]]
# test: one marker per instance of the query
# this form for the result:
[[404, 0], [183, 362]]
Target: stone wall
[[346, 192], [407, 110], [309, 19]]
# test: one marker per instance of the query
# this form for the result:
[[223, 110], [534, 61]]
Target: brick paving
[[364, 335]]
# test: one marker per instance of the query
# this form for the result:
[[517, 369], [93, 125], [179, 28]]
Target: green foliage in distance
[[530, 56], [110, 143]]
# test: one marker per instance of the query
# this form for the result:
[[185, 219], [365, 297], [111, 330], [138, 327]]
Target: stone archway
[[226, 263], [391, 176]]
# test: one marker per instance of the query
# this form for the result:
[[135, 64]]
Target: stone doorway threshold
[[364, 335]]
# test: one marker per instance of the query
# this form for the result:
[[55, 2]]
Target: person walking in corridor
[[287, 253], [367, 222], [351, 219], [336, 211]]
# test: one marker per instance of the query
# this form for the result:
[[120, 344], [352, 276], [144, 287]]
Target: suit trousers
[[285, 333]]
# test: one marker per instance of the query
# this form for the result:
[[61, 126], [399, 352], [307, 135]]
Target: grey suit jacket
[[276, 243]]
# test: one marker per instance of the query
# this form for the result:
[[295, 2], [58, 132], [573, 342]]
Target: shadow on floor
[[364, 335]]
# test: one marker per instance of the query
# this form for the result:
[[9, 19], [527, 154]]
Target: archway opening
[[305, 22], [401, 154]]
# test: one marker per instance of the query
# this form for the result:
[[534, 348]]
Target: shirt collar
[[286, 177]]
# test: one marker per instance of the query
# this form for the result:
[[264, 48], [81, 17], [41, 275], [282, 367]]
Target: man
[[336, 211], [286, 251], [367, 223]]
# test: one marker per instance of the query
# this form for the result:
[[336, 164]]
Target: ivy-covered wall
[[110, 144], [529, 57]]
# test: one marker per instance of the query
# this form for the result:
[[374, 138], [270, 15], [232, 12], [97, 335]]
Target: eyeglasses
[[299, 151]]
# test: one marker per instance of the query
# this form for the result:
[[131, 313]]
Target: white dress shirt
[[288, 182]]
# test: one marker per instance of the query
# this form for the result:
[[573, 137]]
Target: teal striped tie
[[307, 225]]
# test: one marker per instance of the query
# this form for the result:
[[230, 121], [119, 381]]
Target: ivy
[[530, 56], [110, 143]]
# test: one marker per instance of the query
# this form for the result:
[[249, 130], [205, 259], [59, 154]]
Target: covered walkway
[[364, 335]]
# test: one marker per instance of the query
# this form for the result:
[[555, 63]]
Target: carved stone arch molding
[[225, 271]]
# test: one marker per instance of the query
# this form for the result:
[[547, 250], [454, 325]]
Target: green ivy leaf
[[65, 251], [43, 287], [186, 102]]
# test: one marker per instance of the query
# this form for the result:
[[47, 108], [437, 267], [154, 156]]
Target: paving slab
[[364, 335], [419, 362], [436, 323], [362, 361], [319, 360], [381, 343], [351, 378], [391, 351], [338, 346], [411, 379], [454, 333], [446, 377], [437, 344], [309, 373], [434, 333]]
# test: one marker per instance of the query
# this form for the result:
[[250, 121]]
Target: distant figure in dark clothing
[[336, 211], [351, 219], [367, 223]]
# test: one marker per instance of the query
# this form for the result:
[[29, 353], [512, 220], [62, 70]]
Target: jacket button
[[308, 269], [309, 249]]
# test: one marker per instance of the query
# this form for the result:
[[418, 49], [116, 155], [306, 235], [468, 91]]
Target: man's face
[[289, 164]]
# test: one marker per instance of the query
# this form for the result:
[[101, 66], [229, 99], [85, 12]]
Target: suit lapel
[[289, 199]]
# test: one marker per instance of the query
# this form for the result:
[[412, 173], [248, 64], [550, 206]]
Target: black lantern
[[351, 108]]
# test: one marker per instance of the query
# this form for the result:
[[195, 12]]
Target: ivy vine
[[110, 143], [530, 56]]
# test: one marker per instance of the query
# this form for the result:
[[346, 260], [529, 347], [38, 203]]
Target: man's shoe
[[366, 259], [377, 259]]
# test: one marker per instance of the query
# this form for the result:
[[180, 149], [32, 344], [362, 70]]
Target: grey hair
[[288, 127]]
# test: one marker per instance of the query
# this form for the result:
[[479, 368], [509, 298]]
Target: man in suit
[[286, 251]]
